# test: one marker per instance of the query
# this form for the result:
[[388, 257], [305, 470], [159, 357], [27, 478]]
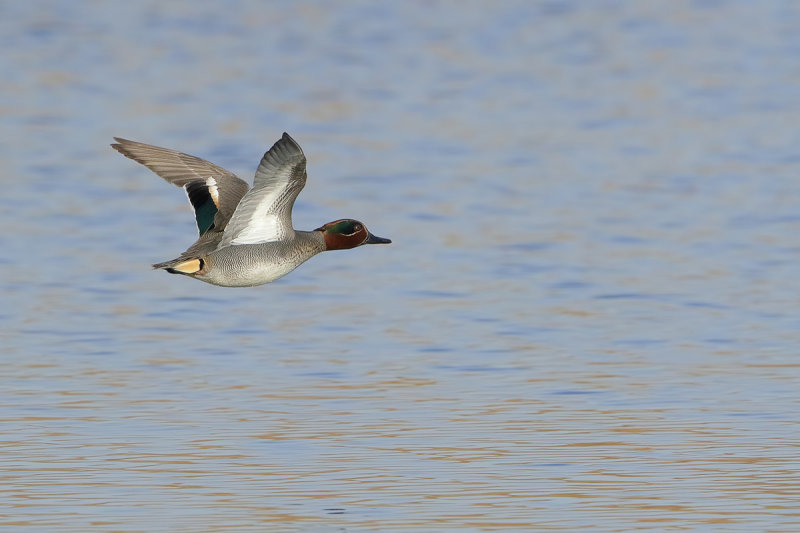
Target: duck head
[[348, 233]]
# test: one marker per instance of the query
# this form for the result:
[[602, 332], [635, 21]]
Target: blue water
[[587, 318]]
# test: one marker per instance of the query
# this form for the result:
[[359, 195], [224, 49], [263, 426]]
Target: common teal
[[246, 235]]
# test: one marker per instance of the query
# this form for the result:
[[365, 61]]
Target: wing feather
[[195, 175], [265, 213]]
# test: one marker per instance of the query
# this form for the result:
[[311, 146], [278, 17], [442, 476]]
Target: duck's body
[[246, 265], [246, 235]]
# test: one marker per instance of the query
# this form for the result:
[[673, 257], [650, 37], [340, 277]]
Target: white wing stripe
[[212, 190]]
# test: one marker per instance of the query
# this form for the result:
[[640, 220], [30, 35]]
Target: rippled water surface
[[588, 317]]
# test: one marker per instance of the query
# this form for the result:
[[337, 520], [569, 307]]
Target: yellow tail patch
[[188, 267]]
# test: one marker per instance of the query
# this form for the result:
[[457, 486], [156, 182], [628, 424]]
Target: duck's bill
[[372, 239]]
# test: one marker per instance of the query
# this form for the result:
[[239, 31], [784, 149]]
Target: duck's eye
[[357, 228]]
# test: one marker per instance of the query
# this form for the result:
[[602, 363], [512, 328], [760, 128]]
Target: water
[[587, 317]]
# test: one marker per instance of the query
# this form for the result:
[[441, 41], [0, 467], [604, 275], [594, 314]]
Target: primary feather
[[213, 191]]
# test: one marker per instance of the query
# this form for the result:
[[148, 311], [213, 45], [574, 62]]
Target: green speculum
[[204, 207], [204, 214]]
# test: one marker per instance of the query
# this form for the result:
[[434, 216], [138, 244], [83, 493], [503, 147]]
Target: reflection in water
[[588, 317]]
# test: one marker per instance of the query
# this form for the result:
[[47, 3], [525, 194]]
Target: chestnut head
[[348, 233]]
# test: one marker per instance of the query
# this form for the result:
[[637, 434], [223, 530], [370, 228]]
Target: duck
[[246, 234]]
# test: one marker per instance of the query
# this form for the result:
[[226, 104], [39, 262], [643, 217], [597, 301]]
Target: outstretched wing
[[213, 191], [265, 212]]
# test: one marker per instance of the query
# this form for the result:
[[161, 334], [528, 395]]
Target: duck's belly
[[250, 265], [249, 276]]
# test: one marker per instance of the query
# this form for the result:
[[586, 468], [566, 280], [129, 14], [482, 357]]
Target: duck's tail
[[182, 265]]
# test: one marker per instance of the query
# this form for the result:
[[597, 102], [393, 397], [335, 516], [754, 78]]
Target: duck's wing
[[213, 191], [265, 212]]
